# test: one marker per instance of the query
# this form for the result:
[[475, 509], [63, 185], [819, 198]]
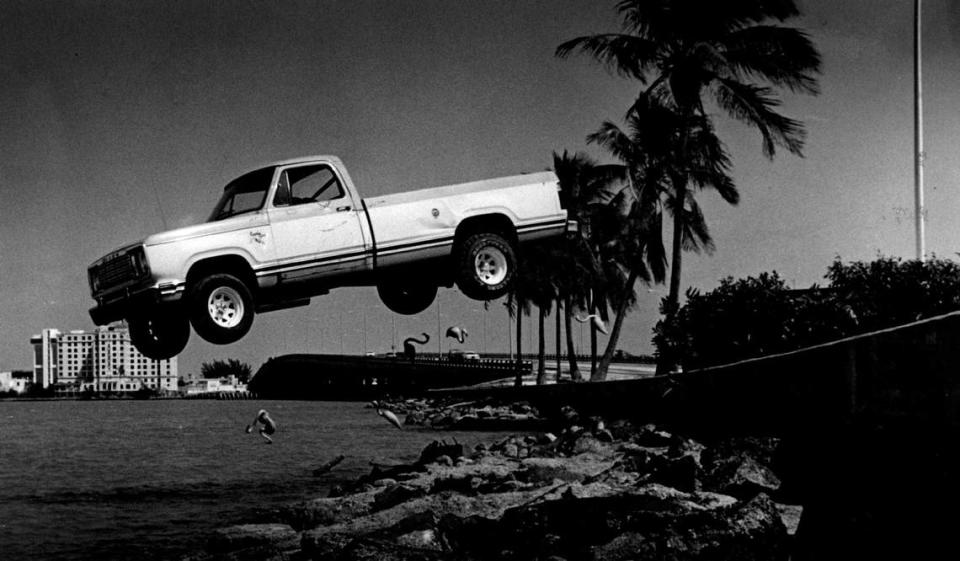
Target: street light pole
[[918, 210]]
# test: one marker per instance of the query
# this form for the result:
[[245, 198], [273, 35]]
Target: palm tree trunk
[[571, 350], [615, 332], [557, 338], [665, 364], [519, 380], [593, 340], [541, 348]]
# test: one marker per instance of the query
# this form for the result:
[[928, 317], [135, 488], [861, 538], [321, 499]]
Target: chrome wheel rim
[[490, 266], [225, 307]]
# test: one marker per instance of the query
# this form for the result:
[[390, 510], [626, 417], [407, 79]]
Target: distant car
[[458, 355], [369, 353]]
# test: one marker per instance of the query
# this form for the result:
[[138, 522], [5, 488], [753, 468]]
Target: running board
[[272, 307]]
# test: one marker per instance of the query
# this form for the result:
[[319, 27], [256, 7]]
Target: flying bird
[[388, 415], [458, 333], [595, 320]]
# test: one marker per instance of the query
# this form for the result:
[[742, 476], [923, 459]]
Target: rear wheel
[[407, 298], [160, 335], [221, 308], [486, 265]]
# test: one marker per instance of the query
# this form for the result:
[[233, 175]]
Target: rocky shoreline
[[564, 488]]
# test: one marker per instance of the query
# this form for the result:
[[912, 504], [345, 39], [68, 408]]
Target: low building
[[102, 361], [9, 382], [229, 384]]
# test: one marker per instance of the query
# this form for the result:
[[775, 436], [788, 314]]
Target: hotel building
[[103, 360]]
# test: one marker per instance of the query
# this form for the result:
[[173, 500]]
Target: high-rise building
[[102, 360]]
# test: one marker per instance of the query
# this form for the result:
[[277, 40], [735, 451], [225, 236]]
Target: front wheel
[[159, 336], [486, 265], [221, 309], [407, 298]]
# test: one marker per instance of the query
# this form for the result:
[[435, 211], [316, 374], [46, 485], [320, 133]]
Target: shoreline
[[525, 496]]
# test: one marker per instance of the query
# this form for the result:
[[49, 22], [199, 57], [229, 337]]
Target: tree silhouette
[[736, 55]]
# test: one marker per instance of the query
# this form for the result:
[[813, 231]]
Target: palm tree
[[736, 54], [653, 164], [538, 281], [585, 187], [518, 304]]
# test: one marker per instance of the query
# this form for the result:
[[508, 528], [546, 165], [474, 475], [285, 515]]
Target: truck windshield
[[244, 194]]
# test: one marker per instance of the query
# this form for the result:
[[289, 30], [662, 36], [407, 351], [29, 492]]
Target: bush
[[760, 316]]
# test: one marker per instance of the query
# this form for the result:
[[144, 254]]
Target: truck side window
[[309, 184]]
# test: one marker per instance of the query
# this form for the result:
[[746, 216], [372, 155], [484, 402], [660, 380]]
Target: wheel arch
[[486, 223], [231, 264]]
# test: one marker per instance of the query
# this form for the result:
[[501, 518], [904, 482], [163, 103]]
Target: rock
[[651, 437], [685, 446], [436, 449], [586, 442], [639, 526], [603, 435], [545, 471], [318, 512], [681, 473], [395, 494], [365, 549], [741, 477], [622, 429], [274, 538], [547, 438]]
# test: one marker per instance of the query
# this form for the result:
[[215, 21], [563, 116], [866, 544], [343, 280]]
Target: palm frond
[[627, 55], [755, 105], [782, 56]]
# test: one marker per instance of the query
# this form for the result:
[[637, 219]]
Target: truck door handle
[[343, 208]]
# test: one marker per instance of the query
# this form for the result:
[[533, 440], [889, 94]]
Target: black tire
[[160, 335], [221, 308], [486, 266], [407, 299]]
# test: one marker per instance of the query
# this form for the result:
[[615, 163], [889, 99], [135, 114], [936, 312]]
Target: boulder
[[437, 449], [749, 532], [652, 437], [681, 473], [544, 471], [320, 512], [396, 494], [658, 523], [741, 477]]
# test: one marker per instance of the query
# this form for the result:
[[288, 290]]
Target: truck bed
[[424, 221]]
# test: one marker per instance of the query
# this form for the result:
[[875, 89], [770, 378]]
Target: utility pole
[[919, 211]]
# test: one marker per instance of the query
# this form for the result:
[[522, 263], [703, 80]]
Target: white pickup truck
[[283, 233]]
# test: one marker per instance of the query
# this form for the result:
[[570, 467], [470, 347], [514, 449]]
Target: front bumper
[[131, 302]]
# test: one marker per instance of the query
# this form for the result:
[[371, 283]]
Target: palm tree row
[[689, 57]]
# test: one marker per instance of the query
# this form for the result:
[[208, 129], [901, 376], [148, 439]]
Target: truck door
[[317, 231]]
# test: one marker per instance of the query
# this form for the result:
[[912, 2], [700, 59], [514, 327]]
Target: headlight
[[93, 280]]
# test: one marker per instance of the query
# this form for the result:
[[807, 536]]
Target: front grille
[[117, 270]]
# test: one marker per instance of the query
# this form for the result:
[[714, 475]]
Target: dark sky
[[118, 119]]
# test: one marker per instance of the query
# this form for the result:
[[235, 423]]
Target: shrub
[[758, 316]]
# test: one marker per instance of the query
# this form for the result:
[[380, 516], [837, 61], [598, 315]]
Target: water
[[148, 480]]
